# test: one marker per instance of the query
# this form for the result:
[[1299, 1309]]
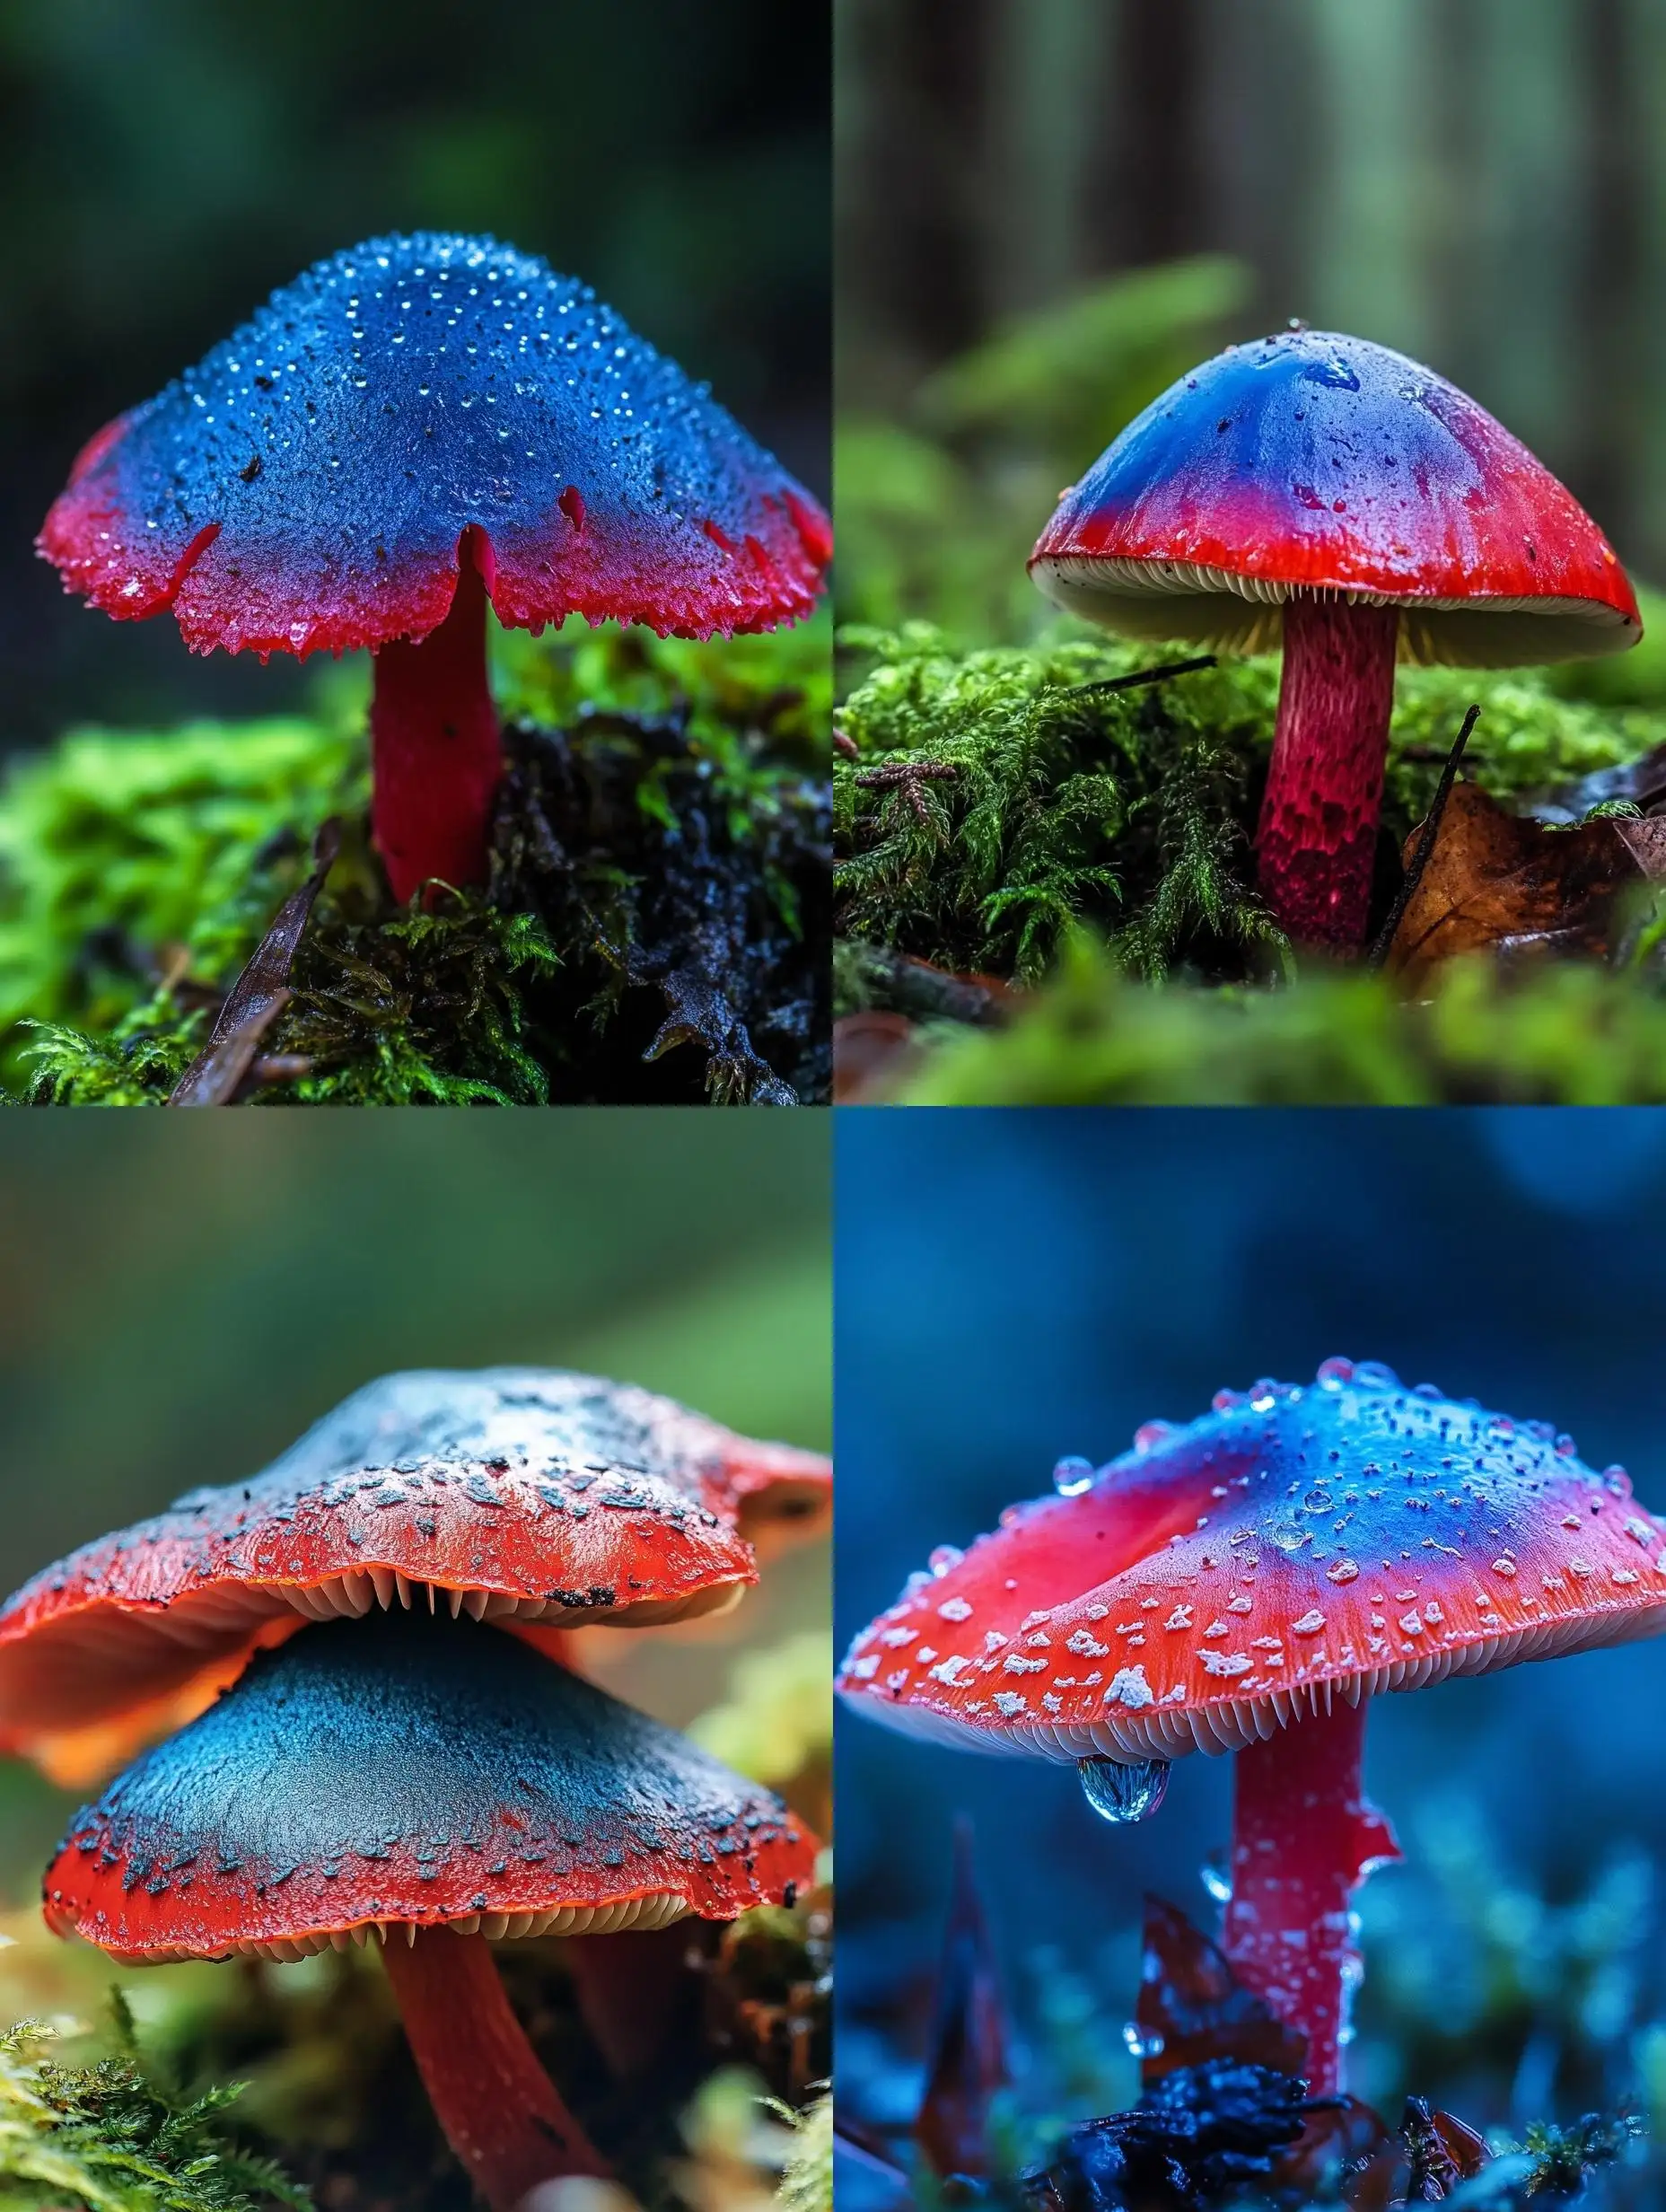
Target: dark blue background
[[1014, 1287]]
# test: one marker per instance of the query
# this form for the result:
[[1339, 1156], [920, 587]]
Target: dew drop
[[1371, 1374], [1073, 1475], [1124, 1790], [945, 1557], [1217, 1878], [1150, 1435], [1142, 2042], [1334, 1372]]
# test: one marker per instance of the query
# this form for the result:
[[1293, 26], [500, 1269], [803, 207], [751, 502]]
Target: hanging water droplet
[[1124, 1790], [1142, 2042], [1072, 1475], [1217, 1878]]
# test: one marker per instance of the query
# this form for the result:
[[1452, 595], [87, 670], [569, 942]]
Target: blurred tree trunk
[[1144, 181], [913, 220]]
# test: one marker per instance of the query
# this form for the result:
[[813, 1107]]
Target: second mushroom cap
[[527, 1494]]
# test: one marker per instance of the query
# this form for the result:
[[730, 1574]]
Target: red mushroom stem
[[1303, 1837], [1317, 842], [499, 2109], [435, 755]]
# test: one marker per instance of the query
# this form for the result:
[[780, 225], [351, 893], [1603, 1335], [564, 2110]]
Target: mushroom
[[1328, 493], [525, 1494], [410, 429], [431, 1785], [1243, 1585]]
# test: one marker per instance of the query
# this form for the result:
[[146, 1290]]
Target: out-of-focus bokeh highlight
[[1013, 1288], [163, 167]]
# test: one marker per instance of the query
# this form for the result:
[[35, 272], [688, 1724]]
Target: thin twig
[[909, 778], [260, 994], [1425, 844], [1145, 675]]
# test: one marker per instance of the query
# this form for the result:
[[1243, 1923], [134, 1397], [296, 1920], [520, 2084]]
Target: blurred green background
[[179, 1296], [163, 165], [1047, 209]]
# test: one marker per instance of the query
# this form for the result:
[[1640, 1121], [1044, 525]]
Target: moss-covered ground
[[1093, 845], [653, 932]]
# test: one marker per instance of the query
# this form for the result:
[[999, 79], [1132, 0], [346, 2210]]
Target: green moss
[[112, 2137], [807, 2178], [1131, 811], [1563, 1034], [659, 870]]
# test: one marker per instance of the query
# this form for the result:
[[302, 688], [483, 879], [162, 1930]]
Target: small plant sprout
[[1245, 1585], [1326, 495]]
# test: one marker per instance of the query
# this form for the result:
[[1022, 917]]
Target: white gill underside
[[1245, 614], [1228, 1725], [633, 1912]]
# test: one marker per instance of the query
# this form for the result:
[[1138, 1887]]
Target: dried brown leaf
[[1507, 884]]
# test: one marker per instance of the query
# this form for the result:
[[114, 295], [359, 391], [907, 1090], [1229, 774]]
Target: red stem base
[[1317, 842], [499, 2109], [1303, 1839], [435, 755]]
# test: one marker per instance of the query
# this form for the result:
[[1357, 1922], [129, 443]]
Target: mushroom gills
[[641, 1913], [350, 1596]]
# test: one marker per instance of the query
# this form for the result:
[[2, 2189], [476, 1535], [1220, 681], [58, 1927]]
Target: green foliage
[[1066, 379], [778, 1719], [807, 2178], [659, 855], [1564, 1034], [937, 511], [1129, 811], [121, 851], [111, 2137]]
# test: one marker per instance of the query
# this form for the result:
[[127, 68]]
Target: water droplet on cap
[[943, 1557], [1073, 1475], [1371, 1374]]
